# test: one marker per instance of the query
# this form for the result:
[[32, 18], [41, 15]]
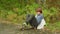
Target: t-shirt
[[39, 18], [41, 21]]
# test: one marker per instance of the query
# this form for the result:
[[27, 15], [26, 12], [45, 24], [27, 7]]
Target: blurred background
[[14, 11]]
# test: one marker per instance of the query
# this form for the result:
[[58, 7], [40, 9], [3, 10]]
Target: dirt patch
[[13, 29]]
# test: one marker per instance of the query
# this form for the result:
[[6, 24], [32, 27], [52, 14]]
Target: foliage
[[16, 10]]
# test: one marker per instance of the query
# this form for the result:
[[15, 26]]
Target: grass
[[53, 26]]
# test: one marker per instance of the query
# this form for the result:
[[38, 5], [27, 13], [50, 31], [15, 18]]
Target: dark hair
[[39, 10]]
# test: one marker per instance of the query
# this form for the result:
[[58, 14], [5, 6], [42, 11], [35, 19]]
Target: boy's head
[[39, 10]]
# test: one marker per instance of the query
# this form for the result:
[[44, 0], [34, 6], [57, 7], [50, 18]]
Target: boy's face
[[38, 13]]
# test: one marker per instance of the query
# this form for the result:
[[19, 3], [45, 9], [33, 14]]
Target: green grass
[[53, 26]]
